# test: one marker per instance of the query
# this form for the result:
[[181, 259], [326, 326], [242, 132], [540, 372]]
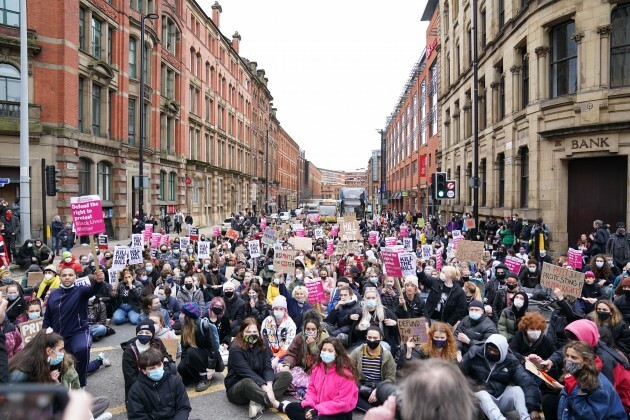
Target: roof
[[428, 11]]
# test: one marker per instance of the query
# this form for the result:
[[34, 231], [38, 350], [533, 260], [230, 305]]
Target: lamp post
[[267, 174], [475, 111], [143, 117]]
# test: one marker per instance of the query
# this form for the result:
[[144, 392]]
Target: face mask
[[109, 257], [29, 245], [532, 269], [522, 252], [301, 301], [270, 267], [253, 296], [474, 315], [442, 276], [206, 266], [34, 315], [182, 264], [427, 272], [92, 299], [373, 344], [48, 276], [251, 338], [276, 281], [144, 339], [57, 360], [67, 260], [493, 358], [176, 251], [599, 264], [611, 263], [374, 280], [215, 270], [144, 279], [148, 268], [626, 292], [572, 367], [512, 286], [169, 280], [12, 296], [63, 286], [439, 343], [217, 311], [500, 276], [229, 295], [534, 335], [163, 250], [518, 304], [278, 314], [603, 316], [327, 357], [188, 286], [370, 304], [299, 276], [156, 374]]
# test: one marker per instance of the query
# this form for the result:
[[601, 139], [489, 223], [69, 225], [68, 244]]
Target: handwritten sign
[[34, 279], [319, 233], [193, 233], [575, 258], [415, 329], [103, 242], [254, 249], [569, 281], [421, 222], [203, 250], [87, 215], [349, 231], [427, 250], [137, 239], [28, 329], [120, 257], [348, 248], [305, 244], [112, 276], [184, 241], [315, 291], [457, 233], [284, 261], [407, 263], [135, 255], [469, 251], [171, 345], [391, 263], [408, 244], [232, 234], [390, 241], [513, 264]]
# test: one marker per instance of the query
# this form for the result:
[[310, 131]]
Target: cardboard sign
[[184, 241], [408, 244], [120, 256], [415, 329], [216, 231], [575, 258], [113, 275], [28, 329], [137, 239], [344, 248], [203, 250], [390, 241], [171, 345], [319, 233], [193, 232], [135, 255], [315, 291], [469, 223], [34, 279], [232, 234], [427, 250], [391, 263], [305, 244], [156, 240], [407, 263], [269, 236], [569, 281], [83, 281], [349, 231], [228, 272], [469, 251], [542, 375], [421, 222], [284, 261], [103, 242], [87, 215], [513, 264], [254, 249]]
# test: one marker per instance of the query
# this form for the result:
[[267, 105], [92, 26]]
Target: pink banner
[[513, 264], [575, 258], [404, 231], [334, 231], [216, 231], [165, 239], [315, 291], [87, 215], [263, 224], [390, 241], [300, 233], [330, 247], [456, 241], [372, 237], [156, 240], [391, 262], [438, 259]]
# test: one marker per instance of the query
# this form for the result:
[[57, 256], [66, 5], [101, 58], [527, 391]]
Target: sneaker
[[254, 409], [283, 405], [202, 385], [105, 416]]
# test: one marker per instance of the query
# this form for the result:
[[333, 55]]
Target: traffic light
[[451, 189], [52, 180], [440, 186]]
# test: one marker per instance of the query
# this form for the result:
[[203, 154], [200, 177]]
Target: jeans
[[56, 244], [512, 399], [125, 313], [247, 390], [98, 330]]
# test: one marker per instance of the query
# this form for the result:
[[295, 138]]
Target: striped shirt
[[372, 367]]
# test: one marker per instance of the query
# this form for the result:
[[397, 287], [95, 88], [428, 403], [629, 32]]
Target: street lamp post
[[267, 174], [475, 111], [143, 117]]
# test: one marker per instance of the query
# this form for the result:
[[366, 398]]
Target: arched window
[[9, 83], [104, 180], [620, 46], [162, 185], [85, 176], [133, 72], [171, 186]]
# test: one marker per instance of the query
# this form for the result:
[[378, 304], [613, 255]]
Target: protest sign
[[263, 223], [330, 247], [165, 239], [232, 234], [457, 233], [315, 291], [254, 249], [28, 329], [171, 345], [34, 279], [438, 259], [513, 264], [408, 244], [148, 228], [146, 234], [103, 242], [193, 233], [421, 222], [184, 241], [349, 231], [87, 215], [334, 231], [137, 239], [569, 281], [120, 257], [418, 235], [372, 237], [113, 275], [135, 255], [457, 240], [216, 231], [404, 231], [390, 241], [391, 263], [269, 236], [313, 217], [203, 250], [156, 240], [426, 251], [319, 233], [531, 367], [575, 258], [284, 261], [305, 244], [469, 251], [83, 281], [469, 223], [407, 262], [415, 329], [348, 248]]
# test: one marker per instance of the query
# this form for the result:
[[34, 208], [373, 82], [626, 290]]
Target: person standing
[[618, 246], [189, 222], [9, 232], [179, 219], [167, 223], [56, 226]]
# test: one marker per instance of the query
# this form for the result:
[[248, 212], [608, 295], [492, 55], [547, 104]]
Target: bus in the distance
[[328, 211], [352, 202]]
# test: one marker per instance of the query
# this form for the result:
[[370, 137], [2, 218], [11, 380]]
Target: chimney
[[216, 13], [236, 41]]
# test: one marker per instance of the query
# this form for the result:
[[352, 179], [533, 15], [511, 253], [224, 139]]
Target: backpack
[[203, 324]]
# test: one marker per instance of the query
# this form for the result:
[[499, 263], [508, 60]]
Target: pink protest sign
[[299, 232], [263, 224], [438, 259], [330, 247], [316, 218], [165, 239], [404, 231], [372, 237], [390, 241], [456, 240], [391, 262], [575, 258], [216, 231], [315, 291], [87, 215], [334, 231], [156, 240], [513, 264]]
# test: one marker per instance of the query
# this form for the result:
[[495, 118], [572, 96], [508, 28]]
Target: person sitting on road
[[50, 282], [152, 303], [17, 303], [162, 331], [440, 343], [279, 330], [69, 261], [127, 299]]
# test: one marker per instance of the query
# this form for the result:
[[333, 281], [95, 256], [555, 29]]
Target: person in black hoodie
[[504, 296], [495, 284], [591, 292], [474, 329], [446, 301], [410, 304], [345, 315], [529, 277], [157, 394], [234, 306]]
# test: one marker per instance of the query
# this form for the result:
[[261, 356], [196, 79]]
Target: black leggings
[[295, 411]]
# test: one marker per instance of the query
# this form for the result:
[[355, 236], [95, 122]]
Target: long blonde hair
[[379, 312], [188, 332]]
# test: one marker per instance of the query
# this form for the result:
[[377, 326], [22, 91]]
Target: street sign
[[450, 194], [4, 181]]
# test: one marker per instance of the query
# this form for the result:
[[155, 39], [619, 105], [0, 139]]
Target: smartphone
[[32, 402]]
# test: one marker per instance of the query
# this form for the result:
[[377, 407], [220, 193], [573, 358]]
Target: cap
[[51, 268], [621, 225], [589, 274], [146, 325], [66, 254], [191, 309], [476, 304]]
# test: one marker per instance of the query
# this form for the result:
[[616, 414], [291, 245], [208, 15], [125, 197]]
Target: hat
[[412, 279], [354, 270], [228, 284], [589, 274], [621, 225], [625, 282], [51, 268], [66, 254], [34, 268], [372, 260], [476, 304], [146, 325], [279, 302], [191, 309], [175, 245]]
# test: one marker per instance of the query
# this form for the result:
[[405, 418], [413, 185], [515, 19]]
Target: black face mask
[[373, 344], [626, 292], [217, 311], [493, 358], [188, 286], [500, 277], [512, 286], [229, 295], [603, 316]]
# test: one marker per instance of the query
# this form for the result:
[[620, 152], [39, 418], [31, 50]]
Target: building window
[[501, 183], [96, 110], [96, 38], [434, 99], [524, 155], [169, 34], [524, 78], [147, 62], [483, 180], [133, 73], [501, 92], [195, 195], [132, 122], [81, 82], [482, 18], [162, 185], [145, 124], [171, 186], [563, 60], [620, 47], [501, 12], [9, 83], [10, 12], [170, 133], [104, 180], [85, 177], [81, 29]]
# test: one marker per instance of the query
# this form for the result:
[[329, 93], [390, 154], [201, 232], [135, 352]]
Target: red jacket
[[330, 393], [74, 264]]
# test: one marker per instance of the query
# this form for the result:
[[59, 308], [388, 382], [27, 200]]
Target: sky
[[335, 67]]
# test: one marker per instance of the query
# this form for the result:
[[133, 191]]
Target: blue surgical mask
[[474, 315], [370, 304], [148, 268], [156, 374], [276, 281], [301, 300], [278, 314], [327, 357], [34, 315], [57, 360]]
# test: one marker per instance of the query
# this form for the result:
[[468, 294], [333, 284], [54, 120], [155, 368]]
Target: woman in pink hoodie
[[332, 389]]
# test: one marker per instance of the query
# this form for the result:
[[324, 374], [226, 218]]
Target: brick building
[[288, 151], [332, 183], [373, 185]]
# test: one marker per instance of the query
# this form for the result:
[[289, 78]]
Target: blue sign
[[4, 181]]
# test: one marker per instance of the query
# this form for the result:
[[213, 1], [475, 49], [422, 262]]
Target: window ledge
[[558, 101]]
